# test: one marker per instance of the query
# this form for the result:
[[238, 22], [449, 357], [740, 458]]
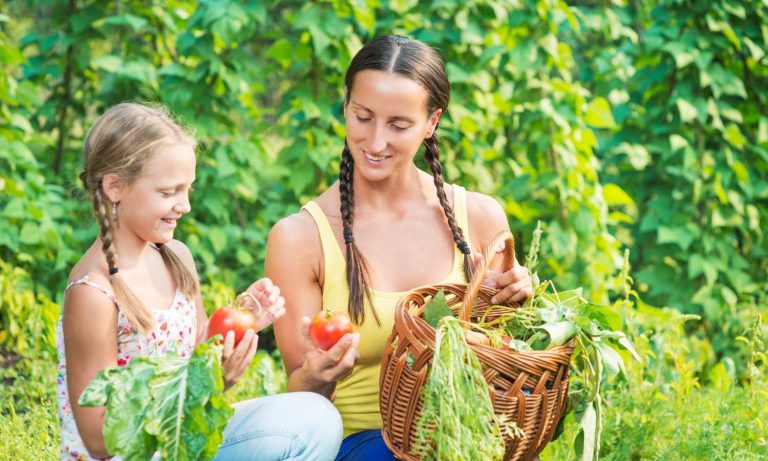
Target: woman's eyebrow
[[391, 119]]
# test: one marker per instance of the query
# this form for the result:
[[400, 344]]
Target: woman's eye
[[399, 128], [362, 119]]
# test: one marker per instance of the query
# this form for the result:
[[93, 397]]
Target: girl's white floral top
[[174, 330]]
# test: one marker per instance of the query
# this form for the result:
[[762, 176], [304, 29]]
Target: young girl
[[135, 292], [384, 228]]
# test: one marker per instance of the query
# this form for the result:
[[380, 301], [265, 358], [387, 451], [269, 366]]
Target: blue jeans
[[364, 446], [291, 426]]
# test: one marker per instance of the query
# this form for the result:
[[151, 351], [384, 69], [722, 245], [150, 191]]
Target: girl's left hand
[[268, 296], [236, 359], [514, 286]]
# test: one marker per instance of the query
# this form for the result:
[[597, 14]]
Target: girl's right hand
[[235, 360], [335, 364]]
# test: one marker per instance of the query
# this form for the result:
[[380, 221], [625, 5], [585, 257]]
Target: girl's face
[[150, 207], [387, 121]]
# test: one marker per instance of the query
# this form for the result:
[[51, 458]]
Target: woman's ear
[[433, 120], [113, 187]]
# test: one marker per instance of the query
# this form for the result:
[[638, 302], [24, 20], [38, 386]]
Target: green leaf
[[125, 393], [599, 114], [734, 137], [129, 20], [166, 403], [585, 443], [638, 155], [436, 309], [606, 317], [282, 52], [615, 195], [679, 235], [754, 49], [559, 332], [613, 364], [687, 110]]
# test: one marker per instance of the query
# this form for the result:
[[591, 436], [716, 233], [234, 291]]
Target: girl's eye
[[399, 128], [167, 194], [362, 119]]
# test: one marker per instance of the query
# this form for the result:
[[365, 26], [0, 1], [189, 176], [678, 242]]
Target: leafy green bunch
[[547, 319], [171, 405]]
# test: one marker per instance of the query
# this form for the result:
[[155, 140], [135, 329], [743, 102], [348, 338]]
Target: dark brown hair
[[420, 63]]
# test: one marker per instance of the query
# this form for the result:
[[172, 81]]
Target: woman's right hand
[[335, 364], [235, 360]]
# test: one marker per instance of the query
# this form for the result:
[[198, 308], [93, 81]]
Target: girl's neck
[[392, 193], [131, 250]]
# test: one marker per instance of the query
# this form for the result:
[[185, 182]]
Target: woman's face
[[387, 121]]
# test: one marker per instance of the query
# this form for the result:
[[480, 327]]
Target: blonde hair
[[122, 142]]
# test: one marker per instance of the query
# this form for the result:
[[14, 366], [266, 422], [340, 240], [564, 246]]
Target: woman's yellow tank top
[[357, 396]]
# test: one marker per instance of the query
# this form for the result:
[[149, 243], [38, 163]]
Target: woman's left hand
[[514, 286], [270, 306]]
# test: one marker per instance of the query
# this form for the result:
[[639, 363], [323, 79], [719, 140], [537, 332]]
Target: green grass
[[708, 424], [29, 429]]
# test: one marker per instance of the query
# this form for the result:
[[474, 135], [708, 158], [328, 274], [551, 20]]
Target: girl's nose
[[183, 206]]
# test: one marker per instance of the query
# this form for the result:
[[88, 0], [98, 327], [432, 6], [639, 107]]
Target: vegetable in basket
[[547, 328]]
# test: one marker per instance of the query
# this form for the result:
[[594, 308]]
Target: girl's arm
[[486, 220], [234, 359], [90, 341], [294, 255]]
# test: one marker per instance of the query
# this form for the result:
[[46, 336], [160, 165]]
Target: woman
[[385, 227]]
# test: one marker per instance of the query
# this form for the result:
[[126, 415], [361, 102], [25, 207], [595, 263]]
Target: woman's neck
[[394, 192]]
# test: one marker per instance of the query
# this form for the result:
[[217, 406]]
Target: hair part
[[122, 142], [418, 62]]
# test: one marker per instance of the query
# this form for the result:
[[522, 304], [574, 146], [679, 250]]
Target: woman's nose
[[378, 140]]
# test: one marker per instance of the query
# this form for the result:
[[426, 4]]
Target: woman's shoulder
[[296, 231], [300, 227], [486, 218]]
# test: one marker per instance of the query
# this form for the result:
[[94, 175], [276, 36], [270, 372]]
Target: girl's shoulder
[[182, 251], [90, 270], [89, 297]]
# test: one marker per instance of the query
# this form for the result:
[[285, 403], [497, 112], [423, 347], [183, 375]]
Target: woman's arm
[[294, 258], [90, 342], [486, 220]]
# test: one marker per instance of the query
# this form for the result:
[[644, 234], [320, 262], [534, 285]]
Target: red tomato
[[505, 343], [227, 318], [328, 327]]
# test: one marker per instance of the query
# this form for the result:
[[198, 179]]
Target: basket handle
[[477, 278]]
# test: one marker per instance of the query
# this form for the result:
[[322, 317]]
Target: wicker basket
[[530, 388]]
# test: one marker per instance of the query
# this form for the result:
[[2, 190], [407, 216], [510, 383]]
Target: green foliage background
[[619, 124]]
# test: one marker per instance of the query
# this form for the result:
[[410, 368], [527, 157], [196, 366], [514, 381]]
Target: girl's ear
[[113, 186], [433, 120]]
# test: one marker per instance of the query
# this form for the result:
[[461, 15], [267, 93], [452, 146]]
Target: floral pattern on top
[[174, 330]]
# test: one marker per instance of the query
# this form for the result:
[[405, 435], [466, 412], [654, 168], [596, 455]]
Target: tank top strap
[[460, 211], [87, 282], [333, 258]]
